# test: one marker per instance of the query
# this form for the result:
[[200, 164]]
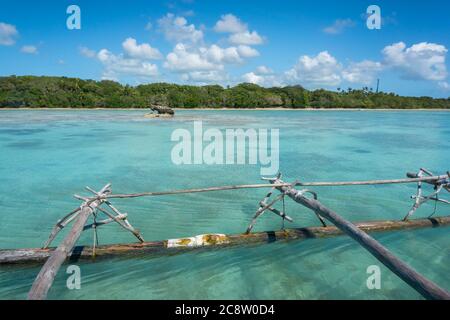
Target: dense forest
[[62, 92]]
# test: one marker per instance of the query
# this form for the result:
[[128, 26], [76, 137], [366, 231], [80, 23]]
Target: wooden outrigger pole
[[45, 278], [211, 241], [425, 287], [92, 205]]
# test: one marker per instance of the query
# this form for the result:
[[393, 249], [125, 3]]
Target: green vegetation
[[62, 92]]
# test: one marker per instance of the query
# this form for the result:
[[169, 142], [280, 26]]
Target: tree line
[[62, 92]]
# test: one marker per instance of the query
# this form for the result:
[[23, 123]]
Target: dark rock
[[162, 110], [159, 111]]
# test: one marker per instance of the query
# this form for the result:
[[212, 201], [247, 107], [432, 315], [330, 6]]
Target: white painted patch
[[182, 242], [198, 241]]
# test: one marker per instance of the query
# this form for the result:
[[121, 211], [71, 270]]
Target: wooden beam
[[425, 287], [159, 248], [267, 185], [46, 276], [278, 185]]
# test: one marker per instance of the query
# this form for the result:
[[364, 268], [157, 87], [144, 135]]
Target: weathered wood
[[45, 278], [266, 185], [417, 200], [416, 175], [425, 287], [372, 182], [122, 222], [156, 248], [105, 221], [263, 207], [60, 225]]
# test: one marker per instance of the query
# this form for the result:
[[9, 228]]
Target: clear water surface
[[47, 156]]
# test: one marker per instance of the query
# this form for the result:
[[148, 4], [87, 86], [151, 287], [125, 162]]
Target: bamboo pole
[[373, 182], [46, 276], [158, 248], [277, 185], [425, 287]]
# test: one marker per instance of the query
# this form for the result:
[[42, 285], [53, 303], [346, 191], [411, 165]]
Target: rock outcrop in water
[[159, 111]]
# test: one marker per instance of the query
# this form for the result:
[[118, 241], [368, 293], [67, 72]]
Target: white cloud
[[321, 70], [240, 35], [188, 59], [8, 34], [229, 23], [252, 77], [133, 62], [444, 85], [142, 51], [246, 38], [420, 61], [230, 55], [263, 76], [176, 29], [263, 70], [116, 65], [88, 53], [247, 52], [362, 72], [204, 77], [198, 62], [29, 49], [206, 64], [219, 55], [339, 26], [262, 80], [423, 60], [201, 65], [181, 59]]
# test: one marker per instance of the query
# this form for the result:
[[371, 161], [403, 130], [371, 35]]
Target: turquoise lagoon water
[[47, 156]]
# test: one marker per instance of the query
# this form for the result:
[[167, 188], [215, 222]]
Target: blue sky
[[317, 44]]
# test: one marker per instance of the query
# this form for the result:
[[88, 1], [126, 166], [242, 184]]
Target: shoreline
[[225, 109]]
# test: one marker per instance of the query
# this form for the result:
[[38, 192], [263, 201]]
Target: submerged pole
[[425, 287], [46, 276], [166, 247]]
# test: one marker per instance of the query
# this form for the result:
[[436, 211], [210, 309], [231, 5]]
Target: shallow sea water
[[47, 156]]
